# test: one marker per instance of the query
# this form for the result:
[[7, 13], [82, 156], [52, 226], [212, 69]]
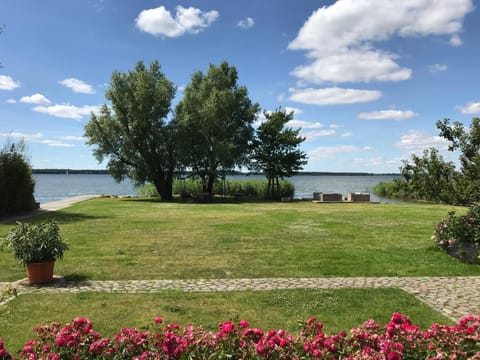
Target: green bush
[[35, 242], [255, 189], [16, 181], [397, 189], [460, 236]]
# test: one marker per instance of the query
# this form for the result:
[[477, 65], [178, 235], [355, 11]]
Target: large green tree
[[133, 132], [277, 149], [214, 121]]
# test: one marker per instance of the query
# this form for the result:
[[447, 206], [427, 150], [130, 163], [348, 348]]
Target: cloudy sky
[[367, 79]]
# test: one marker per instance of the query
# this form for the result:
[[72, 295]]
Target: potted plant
[[37, 246]]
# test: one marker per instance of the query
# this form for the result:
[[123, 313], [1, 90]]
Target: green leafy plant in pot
[[37, 246]]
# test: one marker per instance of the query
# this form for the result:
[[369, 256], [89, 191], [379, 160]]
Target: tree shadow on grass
[[193, 201], [76, 277], [42, 215]]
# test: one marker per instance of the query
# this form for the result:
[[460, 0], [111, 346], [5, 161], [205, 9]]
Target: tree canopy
[[432, 178], [133, 133], [214, 121], [276, 149]]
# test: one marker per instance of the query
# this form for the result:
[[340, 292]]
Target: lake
[[53, 187]]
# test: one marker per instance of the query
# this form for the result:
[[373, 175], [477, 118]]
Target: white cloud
[[24, 136], [387, 115], [67, 111], [39, 138], [295, 110], [330, 152], [72, 138], [246, 23], [342, 39], [312, 135], [377, 161], [35, 99], [7, 83], [335, 126], [437, 68], [333, 96], [11, 101], [304, 124], [56, 143], [352, 66], [159, 21], [347, 134], [455, 40], [416, 140], [470, 108], [78, 86]]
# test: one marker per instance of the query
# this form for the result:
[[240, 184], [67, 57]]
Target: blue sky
[[367, 79]]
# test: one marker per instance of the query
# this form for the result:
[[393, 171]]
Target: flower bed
[[399, 339], [459, 236]]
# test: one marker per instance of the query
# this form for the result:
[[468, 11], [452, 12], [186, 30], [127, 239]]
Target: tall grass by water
[[253, 189]]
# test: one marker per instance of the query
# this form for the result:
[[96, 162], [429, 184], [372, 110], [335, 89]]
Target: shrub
[[396, 189], [399, 339], [16, 181], [35, 242], [460, 236]]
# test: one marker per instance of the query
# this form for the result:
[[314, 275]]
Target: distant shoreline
[[301, 173]]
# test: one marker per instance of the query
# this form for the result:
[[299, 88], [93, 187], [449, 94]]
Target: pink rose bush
[[459, 236], [399, 339], [4, 355]]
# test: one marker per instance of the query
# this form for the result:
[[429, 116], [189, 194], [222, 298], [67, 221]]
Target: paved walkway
[[454, 297], [51, 206]]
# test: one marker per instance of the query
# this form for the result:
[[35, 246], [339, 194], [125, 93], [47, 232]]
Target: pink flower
[[243, 324], [158, 320], [227, 327], [393, 355]]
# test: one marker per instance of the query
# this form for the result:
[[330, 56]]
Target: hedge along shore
[[453, 296]]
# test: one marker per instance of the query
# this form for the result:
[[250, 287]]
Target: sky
[[367, 79]]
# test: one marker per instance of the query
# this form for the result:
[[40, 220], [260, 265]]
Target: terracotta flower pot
[[40, 273]]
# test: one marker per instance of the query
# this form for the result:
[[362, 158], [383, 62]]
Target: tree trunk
[[164, 188], [211, 181], [269, 187]]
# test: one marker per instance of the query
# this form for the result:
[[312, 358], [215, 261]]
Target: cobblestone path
[[454, 297]]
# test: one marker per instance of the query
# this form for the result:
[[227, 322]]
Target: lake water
[[53, 187]]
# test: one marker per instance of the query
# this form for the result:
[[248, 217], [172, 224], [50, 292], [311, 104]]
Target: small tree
[[214, 121], [16, 181], [431, 178], [276, 149], [134, 134], [467, 141]]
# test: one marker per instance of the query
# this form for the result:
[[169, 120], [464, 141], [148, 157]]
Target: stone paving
[[454, 297]]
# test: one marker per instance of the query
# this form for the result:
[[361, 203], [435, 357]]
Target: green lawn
[[146, 239], [122, 239], [339, 310]]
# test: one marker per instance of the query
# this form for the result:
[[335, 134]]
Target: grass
[[141, 238], [146, 239], [340, 309]]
